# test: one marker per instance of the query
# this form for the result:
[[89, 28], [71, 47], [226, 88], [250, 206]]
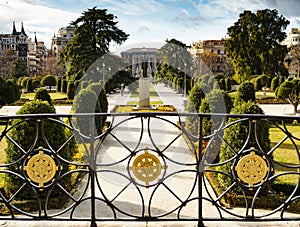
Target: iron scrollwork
[[132, 172]]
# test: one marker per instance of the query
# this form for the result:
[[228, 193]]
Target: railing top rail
[[149, 114]]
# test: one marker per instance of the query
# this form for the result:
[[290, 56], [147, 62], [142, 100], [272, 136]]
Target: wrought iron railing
[[149, 167]]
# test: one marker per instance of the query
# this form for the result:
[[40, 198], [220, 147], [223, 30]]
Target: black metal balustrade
[[146, 167]]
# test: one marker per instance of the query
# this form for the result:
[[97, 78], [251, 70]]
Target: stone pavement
[[166, 95], [128, 132]]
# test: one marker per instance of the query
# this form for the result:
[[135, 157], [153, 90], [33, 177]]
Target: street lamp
[[184, 88], [103, 66]]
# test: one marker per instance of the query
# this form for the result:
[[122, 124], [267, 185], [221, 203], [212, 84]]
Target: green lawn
[[286, 153], [3, 146], [151, 102], [53, 95], [258, 95]]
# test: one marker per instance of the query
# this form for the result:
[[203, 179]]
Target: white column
[[144, 94], [154, 64]]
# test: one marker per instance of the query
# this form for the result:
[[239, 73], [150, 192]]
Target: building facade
[[18, 45], [59, 41], [37, 56], [16, 41], [292, 41], [12, 46], [210, 55], [293, 38], [135, 57]]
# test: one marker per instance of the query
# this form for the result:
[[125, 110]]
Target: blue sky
[[144, 20]]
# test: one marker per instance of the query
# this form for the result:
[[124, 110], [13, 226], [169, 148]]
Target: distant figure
[[122, 89]]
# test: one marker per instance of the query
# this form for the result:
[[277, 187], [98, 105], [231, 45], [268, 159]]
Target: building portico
[[135, 57]]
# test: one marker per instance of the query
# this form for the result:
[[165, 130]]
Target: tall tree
[[7, 59], [254, 44], [94, 31], [19, 68], [175, 54]]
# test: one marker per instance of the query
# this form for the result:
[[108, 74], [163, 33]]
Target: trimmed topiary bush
[[228, 84], [42, 94], [86, 101], [29, 134], [11, 83], [274, 83], [29, 85], [222, 84], [23, 82], [48, 80], [257, 84], [36, 83], [194, 100], [245, 93], [71, 90], [216, 101], [64, 86], [2, 92], [102, 99], [9, 94], [195, 97], [58, 84], [76, 83], [236, 135], [264, 80]]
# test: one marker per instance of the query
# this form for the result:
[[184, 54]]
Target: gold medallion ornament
[[146, 167], [41, 168], [252, 169]]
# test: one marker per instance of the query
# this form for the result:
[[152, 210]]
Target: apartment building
[[16, 41], [59, 41], [293, 38], [18, 45], [210, 56], [37, 56]]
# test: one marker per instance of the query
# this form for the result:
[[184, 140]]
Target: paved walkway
[[166, 95], [128, 133]]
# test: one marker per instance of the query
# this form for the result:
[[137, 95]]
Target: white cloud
[[188, 21], [133, 7], [144, 20], [143, 29], [36, 18]]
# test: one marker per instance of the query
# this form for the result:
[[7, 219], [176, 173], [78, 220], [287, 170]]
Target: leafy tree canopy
[[94, 31], [289, 91], [254, 44], [19, 68], [175, 54]]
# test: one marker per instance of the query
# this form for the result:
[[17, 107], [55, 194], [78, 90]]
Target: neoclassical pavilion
[[136, 56]]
